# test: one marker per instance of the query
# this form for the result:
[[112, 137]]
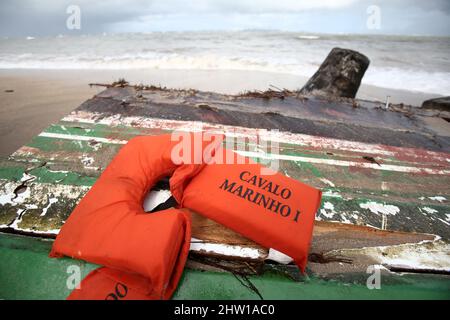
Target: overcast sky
[[48, 17]]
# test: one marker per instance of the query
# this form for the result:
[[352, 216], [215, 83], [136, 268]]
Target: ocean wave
[[408, 79], [308, 37], [148, 60], [394, 78]]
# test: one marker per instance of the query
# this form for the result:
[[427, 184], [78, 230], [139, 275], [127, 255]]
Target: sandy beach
[[41, 97]]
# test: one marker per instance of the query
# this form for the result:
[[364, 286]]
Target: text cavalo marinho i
[[247, 189]]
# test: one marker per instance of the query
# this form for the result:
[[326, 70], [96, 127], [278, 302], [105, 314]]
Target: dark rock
[[339, 75], [437, 104]]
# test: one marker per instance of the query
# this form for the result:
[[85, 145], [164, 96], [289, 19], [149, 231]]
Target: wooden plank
[[358, 193], [403, 186], [331, 119]]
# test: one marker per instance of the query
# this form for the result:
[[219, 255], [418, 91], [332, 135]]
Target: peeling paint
[[271, 156], [328, 182], [446, 221], [416, 256], [87, 161], [344, 218], [437, 198], [428, 210], [355, 215], [328, 210], [334, 208], [78, 138], [50, 202], [331, 194], [58, 171], [27, 177], [281, 137], [383, 209], [379, 208], [428, 255], [226, 250], [35, 197], [30, 231]]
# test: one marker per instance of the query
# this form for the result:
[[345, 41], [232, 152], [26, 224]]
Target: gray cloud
[[47, 17]]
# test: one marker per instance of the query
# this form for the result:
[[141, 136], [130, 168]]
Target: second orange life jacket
[[273, 210]]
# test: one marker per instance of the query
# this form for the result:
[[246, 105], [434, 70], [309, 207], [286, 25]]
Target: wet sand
[[42, 97]]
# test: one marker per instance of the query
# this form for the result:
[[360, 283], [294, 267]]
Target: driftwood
[[442, 104], [339, 75]]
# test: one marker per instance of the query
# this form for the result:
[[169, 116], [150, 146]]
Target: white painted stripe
[[424, 255], [268, 156], [80, 138], [343, 163], [269, 135], [196, 245], [226, 249], [279, 257], [231, 131]]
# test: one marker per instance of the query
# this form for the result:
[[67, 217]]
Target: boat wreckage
[[384, 170]]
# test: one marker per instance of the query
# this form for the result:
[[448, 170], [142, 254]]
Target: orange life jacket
[[273, 210], [143, 253]]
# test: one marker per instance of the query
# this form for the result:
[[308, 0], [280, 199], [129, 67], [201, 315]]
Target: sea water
[[398, 62]]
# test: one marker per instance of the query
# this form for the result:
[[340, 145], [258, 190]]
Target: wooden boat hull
[[385, 177]]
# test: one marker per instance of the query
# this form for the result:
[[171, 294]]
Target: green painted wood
[[26, 272], [42, 182], [125, 132], [48, 205], [53, 161]]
